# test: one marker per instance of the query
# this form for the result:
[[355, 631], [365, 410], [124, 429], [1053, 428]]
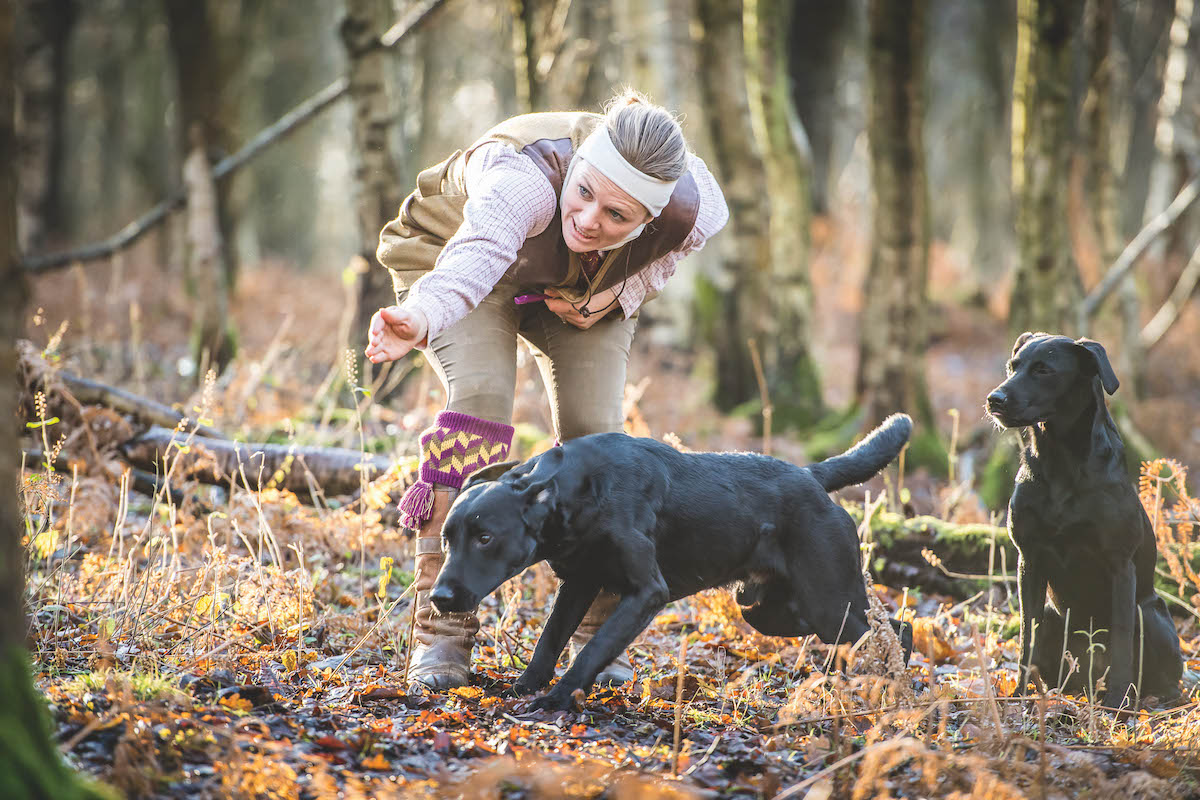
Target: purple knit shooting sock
[[451, 449]]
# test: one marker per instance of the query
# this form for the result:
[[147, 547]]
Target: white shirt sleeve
[[508, 200]]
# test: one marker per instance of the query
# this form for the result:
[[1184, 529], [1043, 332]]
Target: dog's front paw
[[530, 682], [558, 700]]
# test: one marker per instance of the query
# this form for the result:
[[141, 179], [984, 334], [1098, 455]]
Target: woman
[[553, 228]]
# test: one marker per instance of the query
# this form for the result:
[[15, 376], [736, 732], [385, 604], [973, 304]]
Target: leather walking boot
[[620, 670], [441, 658]]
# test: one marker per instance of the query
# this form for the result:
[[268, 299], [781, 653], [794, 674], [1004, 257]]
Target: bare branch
[[1166, 316], [1129, 256]]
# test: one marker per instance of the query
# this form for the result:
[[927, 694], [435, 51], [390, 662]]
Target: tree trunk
[[1104, 194], [379, 190], [557, 53], [47, 26], [1047, 288], [790, 366], [987, 151], [29, 762], [816, 39], [891, 374], [212, 342], [201, 66], [733, 306], [1165, 169]]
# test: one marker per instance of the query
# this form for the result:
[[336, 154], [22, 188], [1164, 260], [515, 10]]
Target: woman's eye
[[616, 216], [583, 191]]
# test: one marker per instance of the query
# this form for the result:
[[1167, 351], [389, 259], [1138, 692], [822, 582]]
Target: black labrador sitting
[[1081, 531], [651, 524]]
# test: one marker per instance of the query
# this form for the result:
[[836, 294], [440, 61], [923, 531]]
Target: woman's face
[[596, 213]]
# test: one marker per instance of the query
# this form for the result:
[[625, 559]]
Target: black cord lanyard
[[585, 312]]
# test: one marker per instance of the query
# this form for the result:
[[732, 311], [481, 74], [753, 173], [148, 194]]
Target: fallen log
[[66, 393], [332, 470], [151, 412], [139, 480], [937, 556]]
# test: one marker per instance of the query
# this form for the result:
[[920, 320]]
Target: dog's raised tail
[[861, 462]]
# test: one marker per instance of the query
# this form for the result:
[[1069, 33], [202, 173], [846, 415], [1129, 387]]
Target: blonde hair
[[646, 135]]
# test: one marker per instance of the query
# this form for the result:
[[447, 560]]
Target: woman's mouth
[[580, 234]]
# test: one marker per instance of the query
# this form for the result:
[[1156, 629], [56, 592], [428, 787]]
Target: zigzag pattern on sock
[[448, 450], [451, 449]]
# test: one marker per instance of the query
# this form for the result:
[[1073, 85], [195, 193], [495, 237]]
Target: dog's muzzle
[[448, 598]]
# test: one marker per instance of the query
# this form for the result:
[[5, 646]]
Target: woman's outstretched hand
[[394, 331]]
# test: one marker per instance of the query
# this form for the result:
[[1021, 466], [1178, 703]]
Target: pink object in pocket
[[523, 299]]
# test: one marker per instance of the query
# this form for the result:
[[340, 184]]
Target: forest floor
[[252, 644]]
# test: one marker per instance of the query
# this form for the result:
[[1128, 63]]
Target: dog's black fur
[[651, 524], [1081, 531]]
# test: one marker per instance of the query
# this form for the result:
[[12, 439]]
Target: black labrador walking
[[1083, 536], [651, 524]]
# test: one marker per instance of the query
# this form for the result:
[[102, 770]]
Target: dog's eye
[[484, 538], [1041, 369]]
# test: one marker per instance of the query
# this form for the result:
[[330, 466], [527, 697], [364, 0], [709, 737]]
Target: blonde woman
[[551, 229]]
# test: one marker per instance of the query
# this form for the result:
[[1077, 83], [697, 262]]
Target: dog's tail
[[861, 462]]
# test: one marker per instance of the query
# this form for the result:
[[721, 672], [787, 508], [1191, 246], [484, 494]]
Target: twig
[[679, 701], [767, 411]]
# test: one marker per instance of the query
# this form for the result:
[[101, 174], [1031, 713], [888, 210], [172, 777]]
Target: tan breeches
[[583, 370]]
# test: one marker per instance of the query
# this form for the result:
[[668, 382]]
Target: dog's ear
[[489, 473], [541, 500], [1108, 378], [1021, 340]]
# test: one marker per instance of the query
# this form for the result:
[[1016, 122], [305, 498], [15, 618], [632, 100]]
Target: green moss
[[999, 473], [835, 433], [926, 449], [30, 766]]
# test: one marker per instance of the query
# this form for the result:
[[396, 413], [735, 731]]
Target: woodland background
[[911, 184]]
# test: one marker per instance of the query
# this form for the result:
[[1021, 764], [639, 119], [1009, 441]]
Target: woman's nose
[[587, 217]]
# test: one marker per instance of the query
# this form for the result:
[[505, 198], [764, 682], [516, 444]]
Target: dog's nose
[[442, 597], [996, 400]]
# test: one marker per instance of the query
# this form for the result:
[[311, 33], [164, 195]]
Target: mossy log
[[966, 558]]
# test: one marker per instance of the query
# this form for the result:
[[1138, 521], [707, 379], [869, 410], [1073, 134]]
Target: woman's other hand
[[394, 332], [600, 304]]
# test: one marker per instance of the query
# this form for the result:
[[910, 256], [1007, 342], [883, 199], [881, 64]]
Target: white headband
[[598, 150]]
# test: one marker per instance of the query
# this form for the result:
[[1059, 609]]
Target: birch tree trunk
[[200, 73], [212, 337], [1047, 288], [891, 370], [30, 765], [1165, 168], [378, 188], [733, 306], [559, 51], [790, 366]]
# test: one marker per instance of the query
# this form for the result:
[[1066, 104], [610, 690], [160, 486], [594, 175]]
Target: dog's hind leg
[[574, 597], [1161, 664]]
